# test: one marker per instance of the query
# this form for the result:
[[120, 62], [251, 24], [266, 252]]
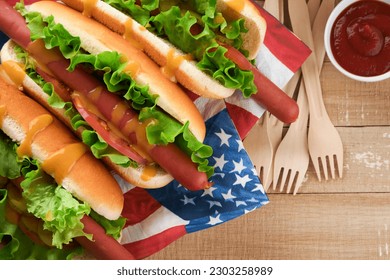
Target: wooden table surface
[[346, 218]]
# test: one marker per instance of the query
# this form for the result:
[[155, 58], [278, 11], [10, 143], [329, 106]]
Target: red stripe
[[139, 204], [242, 119], [284, 45], [146, 247]]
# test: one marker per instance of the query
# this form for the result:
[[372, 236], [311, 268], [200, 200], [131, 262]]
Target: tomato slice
[[101, 126]]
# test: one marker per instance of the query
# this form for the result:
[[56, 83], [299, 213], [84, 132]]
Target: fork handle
[[300, 21], [318, 30]]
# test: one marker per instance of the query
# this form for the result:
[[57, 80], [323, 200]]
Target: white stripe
[[209, 107], [272, 67], [162, 219], [249, 104]]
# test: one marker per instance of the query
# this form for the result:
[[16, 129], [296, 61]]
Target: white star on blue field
[[236, 189]]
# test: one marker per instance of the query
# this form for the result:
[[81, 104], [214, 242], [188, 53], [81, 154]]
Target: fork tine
[[316, 164], [262, 172], [283, 179], [291, 180], [298, 182], [324, 164], [266, 176], [331, 166], [339, 161], [276, 175]]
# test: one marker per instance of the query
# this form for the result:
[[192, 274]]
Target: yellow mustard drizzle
[[88, 6], [15, 72], [61, 162], [236, 5], [36, 125], [148, 172], [173, 63], [128, 34]]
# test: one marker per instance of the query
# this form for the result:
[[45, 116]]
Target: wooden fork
[[325, 145], [292, 157], [275, 8], [263, 139]]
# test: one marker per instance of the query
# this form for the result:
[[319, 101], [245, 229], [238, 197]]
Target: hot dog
[[136, 111], [201, 44], [58, 190]]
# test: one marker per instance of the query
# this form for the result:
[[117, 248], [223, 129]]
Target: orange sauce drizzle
[[129, 34], [14, 71], [148, 172], [89, 5], [36, 48], [236, 5], [132, 69], [118, 112], [173, 63], [36, 125], [94, 94], [61, 162]]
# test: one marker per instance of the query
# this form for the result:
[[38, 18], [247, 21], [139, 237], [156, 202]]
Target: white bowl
[[328, 28]]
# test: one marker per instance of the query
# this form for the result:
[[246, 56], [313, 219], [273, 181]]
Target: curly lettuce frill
[[59, 210], [116, 80], [227, 73]]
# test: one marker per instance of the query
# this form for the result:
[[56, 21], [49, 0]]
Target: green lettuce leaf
[[9, 166], [225, 71], [140, 14], [59, 210], [20, 247], [112, 227], [178, 30]]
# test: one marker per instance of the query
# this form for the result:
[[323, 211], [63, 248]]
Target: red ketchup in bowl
[[360, 38]]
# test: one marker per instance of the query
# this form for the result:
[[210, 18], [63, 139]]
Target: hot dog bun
[[86, 178], [186, 73], [96, 39], [135, 176]]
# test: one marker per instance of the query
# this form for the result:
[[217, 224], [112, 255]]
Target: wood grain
[[305, 226], [352, 103]]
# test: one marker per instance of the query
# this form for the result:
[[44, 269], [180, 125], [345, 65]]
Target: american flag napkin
[[156, 218]]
